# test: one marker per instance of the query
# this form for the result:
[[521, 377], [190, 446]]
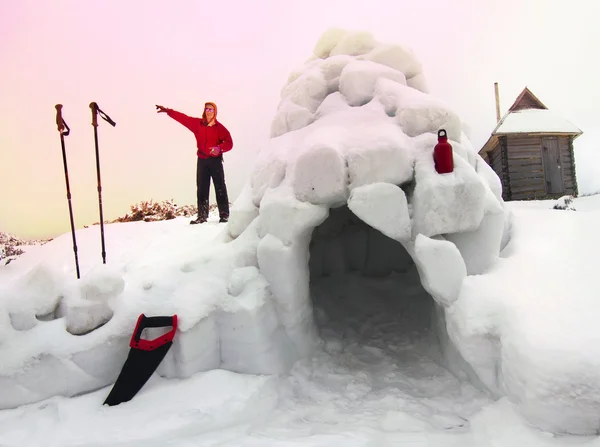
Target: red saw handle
[[149, 345]]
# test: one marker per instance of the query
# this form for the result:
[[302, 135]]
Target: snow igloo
[[343, 217], [350, 215]]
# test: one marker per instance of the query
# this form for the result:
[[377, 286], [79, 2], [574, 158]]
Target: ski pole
[[64, 131], [95, 111]]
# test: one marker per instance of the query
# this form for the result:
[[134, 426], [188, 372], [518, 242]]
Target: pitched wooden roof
[[528, 115], [527, 100]]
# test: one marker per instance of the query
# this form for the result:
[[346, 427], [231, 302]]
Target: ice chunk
[[416, 112], [384, 207], [397, 57], [480, 248], [441, 268], [446, 203], [354, 43], [290, 117], [359, 78], [320, 176]]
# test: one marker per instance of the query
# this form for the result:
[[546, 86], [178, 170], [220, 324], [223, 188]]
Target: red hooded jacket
[[206, 136]]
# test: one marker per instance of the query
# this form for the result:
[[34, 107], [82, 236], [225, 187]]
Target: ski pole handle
[[94, 108], [60, 122], [95, 111]]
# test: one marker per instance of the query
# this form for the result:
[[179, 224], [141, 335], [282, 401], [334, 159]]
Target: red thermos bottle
[[442, 154]]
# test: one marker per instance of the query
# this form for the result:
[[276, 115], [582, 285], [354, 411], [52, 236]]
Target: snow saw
[[143, 359]]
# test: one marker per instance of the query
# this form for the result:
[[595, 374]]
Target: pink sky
[[129, 55]]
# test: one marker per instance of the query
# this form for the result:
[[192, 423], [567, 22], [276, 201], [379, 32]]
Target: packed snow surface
[[375, 380]]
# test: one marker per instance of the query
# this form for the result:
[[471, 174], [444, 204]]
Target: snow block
[[441, 268], [290, 117], [490, 176], [480, 248], [252, 339], [506, 234], [91, 309], [308, 91], [384, 207], [319, 176], [387, 160], [418, 82], [194, 350], [358, 80], [242, 212], [103, 361], [354, 43], [395, 56], [555, 390], [333, 103], [286, 270], [416, 112], [328, 41], [286, 218], [266, 174], [83, 316], [332, 67], [453, 360], [446, 203], [34, 294]]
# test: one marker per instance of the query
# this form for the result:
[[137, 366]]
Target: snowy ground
[[376, 381]]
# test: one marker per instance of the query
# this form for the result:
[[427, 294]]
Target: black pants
[[205, 170]]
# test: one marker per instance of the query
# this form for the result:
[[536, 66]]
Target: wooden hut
[[531, 150]]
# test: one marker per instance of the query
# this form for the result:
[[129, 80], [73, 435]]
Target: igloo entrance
[[366, 291]]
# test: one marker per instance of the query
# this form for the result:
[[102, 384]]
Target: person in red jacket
[[212, 140]]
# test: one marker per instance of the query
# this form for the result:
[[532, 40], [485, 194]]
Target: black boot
[[199, 220]]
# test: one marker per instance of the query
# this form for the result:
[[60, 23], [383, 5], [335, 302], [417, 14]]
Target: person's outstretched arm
[[190, 122]]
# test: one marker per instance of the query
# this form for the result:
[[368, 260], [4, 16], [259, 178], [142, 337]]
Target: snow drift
[[351, 147]]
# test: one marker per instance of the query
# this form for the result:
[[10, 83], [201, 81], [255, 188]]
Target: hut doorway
[[552, 166]]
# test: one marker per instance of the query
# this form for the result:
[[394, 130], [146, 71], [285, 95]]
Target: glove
[[214, 151]]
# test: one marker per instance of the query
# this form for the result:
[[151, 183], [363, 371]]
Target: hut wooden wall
[[526, 171]]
